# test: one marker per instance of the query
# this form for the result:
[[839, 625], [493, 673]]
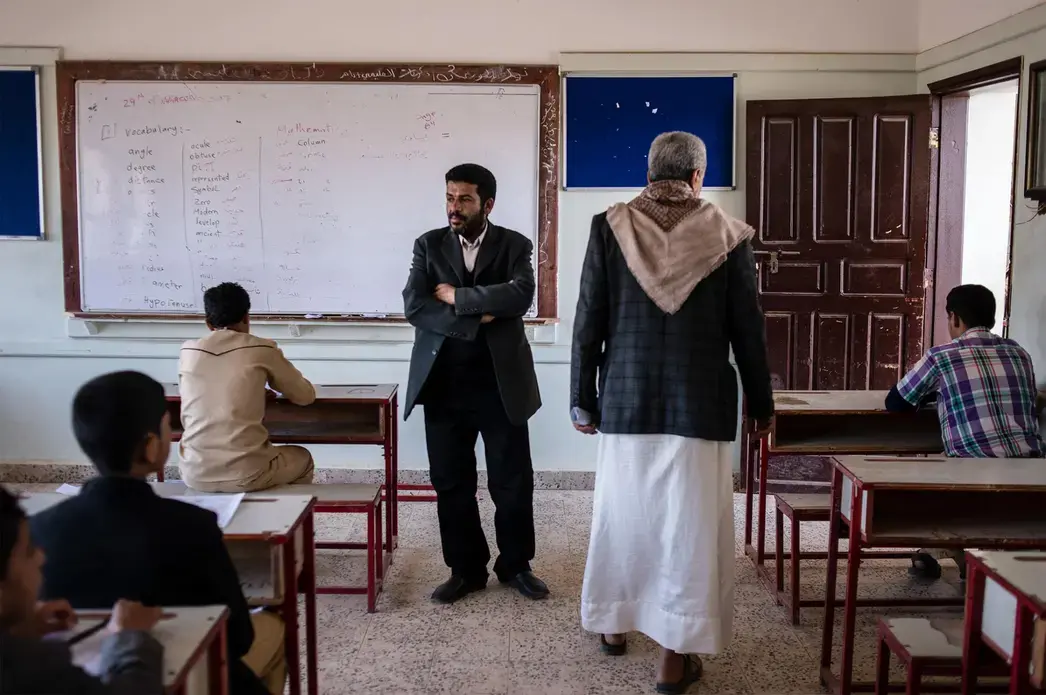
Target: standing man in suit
[[470, 285]]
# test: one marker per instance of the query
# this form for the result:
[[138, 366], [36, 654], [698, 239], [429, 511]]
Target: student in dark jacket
[[119, 539], [132, 660]]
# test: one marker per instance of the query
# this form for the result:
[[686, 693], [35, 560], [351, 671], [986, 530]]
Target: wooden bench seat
[[798, 507], [926, 647], [327, 494]]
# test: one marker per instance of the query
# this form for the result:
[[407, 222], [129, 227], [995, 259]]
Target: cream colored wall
[[44, 357], [941, 21], [1023, 35]]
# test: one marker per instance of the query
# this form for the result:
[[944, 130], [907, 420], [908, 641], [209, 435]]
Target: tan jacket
[[222, 380]]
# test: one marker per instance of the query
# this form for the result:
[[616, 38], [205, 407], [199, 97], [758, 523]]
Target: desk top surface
[[182, 634], [362, 393], [836, 402], [1026, 571], [939, 473], [261, 516]]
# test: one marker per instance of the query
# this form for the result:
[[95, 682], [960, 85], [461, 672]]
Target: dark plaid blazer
[[638, 370]]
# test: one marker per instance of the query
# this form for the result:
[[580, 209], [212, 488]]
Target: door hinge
[[935, 138]]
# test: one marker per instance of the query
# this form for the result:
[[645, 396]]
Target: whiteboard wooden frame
[[39, 156], [546, 77]]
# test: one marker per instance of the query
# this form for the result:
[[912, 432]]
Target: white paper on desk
[[224, 506], [67, 489]]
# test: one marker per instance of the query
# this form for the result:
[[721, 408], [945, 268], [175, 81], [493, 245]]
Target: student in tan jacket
[[225, 379]]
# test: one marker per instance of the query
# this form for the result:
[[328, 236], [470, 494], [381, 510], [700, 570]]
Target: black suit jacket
[[638, 370], [504, 288], [118, 539]]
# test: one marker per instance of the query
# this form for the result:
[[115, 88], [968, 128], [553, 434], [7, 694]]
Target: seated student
[[223, 377], [118, 539], [986, 394], [132, 660]]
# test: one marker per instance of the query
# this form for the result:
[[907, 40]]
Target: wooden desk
[[186, 633], [347, 415], [1006, 610], [276, 521], [906, 502], [827, 423]]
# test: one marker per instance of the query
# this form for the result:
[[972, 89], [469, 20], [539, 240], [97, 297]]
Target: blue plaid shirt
[[985, 395]]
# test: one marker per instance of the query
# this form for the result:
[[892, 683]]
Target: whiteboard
[[308, 195]]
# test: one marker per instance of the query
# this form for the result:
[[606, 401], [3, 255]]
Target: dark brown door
[[838, 191]]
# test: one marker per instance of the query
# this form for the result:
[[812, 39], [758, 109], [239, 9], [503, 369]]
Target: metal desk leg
[[290, 615], [308, 586], [853, 567], [747, 462], [1020, 666], [764, 461], [830, 579], [972, 645]]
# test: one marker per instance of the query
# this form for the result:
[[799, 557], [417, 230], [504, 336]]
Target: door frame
[[947, 188]]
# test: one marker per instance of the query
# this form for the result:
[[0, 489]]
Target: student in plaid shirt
[[986, 395]]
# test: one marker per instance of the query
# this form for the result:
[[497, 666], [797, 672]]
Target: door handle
[[775, 258]]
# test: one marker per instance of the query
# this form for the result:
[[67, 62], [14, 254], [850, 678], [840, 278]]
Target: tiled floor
[[498, 642]]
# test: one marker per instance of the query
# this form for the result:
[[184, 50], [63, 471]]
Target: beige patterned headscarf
[[672, 240]]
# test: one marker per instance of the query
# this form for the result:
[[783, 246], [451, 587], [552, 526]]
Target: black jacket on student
[[118, 539]]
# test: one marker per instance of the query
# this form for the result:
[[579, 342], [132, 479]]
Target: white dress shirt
[[470, 249]]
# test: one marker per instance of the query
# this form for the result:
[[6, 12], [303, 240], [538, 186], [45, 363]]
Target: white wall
[[404, 30], [1024, 35], [940, 21], [990, 121]]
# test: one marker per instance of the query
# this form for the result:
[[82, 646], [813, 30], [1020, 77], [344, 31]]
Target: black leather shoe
[[455, 589], [529, 585]]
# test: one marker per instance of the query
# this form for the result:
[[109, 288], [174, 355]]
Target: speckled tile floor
[[496, 642]]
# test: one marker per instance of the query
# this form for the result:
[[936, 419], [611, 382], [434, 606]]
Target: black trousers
[[451, 431]]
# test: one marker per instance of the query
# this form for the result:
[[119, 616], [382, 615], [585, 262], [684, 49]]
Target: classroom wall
[[941, 21], [1023, 35], [41, 364], [991, 116]]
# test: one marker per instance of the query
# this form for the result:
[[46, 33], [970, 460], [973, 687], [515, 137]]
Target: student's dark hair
[[11, 516], [484, 181], [973, 304], [226, 304], [113, 414]]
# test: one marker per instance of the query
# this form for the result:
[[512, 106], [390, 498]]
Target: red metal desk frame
[[359, 414], [828, 423], [293, 585], [910, 502], [1030, 608]]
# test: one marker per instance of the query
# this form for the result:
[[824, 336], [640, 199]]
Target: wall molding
[[29, 56], [734, 62], [1028, 22]]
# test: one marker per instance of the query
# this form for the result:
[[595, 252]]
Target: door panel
[[839, 189]]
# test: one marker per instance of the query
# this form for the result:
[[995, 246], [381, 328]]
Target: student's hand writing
[[133, 616], [585, 429], [54, 616]]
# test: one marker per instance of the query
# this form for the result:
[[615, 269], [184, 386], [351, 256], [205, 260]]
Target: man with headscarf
[[668, 287]]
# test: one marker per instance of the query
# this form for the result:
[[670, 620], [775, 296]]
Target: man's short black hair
[[11, 517], [113, 414], [973, 304], [226, 304], [484, 181]]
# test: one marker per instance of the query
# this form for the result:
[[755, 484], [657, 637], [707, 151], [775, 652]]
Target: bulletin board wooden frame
[[546, 77]]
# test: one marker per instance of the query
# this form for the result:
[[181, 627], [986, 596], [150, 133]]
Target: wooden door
[[838, 191]]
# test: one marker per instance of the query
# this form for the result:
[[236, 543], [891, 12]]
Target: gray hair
[[676, 156]]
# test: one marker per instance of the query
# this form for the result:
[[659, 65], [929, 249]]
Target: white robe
[[661, 554]]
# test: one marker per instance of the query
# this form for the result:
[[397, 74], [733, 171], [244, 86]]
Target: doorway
[[977, 117]]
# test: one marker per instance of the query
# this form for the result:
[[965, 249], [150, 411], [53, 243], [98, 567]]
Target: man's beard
[[471, 227]]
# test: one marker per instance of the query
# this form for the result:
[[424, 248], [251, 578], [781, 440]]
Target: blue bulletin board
[[611, 121], [21, 215]]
